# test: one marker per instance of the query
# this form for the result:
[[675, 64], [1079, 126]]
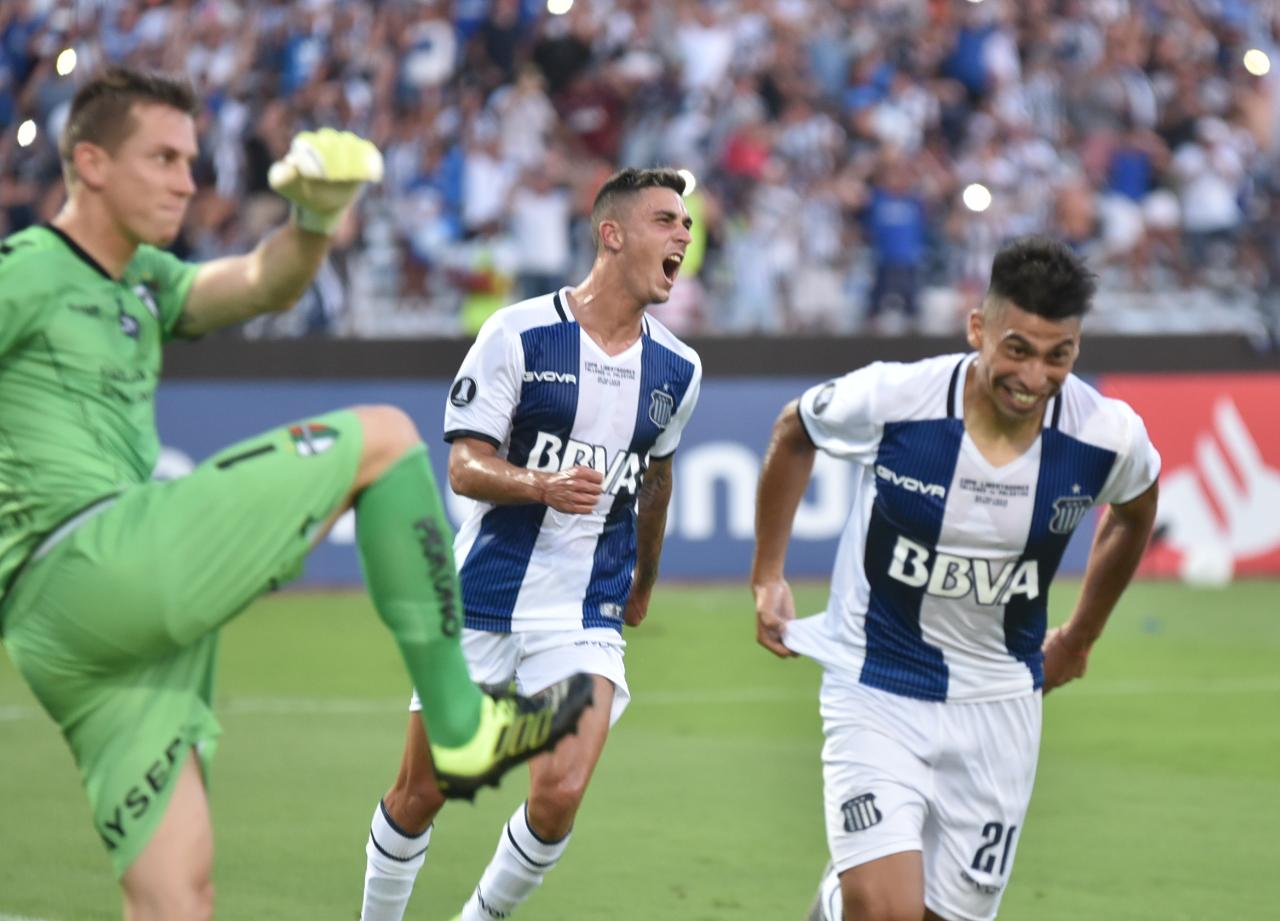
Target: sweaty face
[[655, 234], [147, 182], [1023, 358]]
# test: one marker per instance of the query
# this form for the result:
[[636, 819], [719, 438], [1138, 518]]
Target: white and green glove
[[321, 174]]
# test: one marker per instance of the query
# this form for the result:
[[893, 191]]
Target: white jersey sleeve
[[840, 417], [486, 390], [669, 440], [1137, 464]]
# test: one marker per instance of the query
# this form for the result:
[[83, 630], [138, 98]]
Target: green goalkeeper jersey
[[79, 365]]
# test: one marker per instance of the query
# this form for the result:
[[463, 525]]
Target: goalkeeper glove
[[321, 174]]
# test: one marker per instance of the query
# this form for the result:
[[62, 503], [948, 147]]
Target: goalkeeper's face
[[147, 183]]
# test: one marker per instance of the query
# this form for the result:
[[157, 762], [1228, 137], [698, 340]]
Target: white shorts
[[538, 659], [951, 780]]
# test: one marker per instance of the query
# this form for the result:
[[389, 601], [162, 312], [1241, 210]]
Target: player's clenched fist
[[321, 174], [574, 491]]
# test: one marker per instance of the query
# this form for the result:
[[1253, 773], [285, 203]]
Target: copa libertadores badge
[[823, 397], [463, 392], [312, 439]]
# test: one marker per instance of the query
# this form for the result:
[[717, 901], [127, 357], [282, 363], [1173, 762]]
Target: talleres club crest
[[661, 405], [1069, 511]]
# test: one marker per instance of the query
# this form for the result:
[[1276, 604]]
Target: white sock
[[518, 866], [393, 862]]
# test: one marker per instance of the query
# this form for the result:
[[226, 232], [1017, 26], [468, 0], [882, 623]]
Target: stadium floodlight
[[690, 181], [559, 7], [26, 133], [1257, 62], [66, 62], [976, 197]]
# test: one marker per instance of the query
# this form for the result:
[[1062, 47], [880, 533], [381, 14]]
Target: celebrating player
[[973, 471], [114, 587], [563, 418]]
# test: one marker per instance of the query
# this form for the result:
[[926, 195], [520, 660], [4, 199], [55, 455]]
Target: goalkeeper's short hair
[[101, 112]]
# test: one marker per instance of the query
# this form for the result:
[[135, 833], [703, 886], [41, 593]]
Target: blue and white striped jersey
[[535, 385], [942, 574]]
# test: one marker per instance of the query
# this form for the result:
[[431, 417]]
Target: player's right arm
[[788, 464], [477, 472], [478, 419], [839, 417]]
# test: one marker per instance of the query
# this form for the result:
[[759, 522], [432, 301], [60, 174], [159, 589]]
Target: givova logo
[[621, 472], [550, 377], [944, 575], [910, 483]]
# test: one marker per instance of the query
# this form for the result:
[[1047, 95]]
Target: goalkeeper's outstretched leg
[[405, 544]]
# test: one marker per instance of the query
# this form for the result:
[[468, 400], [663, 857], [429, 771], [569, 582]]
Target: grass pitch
[[1158, 794]]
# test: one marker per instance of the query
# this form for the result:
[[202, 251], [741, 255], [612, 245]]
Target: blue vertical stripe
[[662, 371], [1069, 470], [897, 657], [495, 567]]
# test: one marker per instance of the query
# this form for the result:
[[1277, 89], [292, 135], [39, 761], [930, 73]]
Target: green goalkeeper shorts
[[115, 626]]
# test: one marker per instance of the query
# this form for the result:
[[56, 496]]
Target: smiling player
[[974, 470]]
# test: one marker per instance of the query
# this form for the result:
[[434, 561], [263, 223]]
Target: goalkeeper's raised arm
[[321, 176]]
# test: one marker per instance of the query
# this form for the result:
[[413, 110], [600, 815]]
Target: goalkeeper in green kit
[[113, 587]]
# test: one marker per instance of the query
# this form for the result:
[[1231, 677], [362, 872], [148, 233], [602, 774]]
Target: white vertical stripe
[[850, 587], [559, 571], [987, 520]]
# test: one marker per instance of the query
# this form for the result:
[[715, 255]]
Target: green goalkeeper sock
[[406, 550]]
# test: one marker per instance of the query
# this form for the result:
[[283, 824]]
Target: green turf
[[1157, 798]]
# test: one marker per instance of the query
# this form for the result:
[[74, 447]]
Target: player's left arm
[[1117, 549], [321, 175], [651, 526]]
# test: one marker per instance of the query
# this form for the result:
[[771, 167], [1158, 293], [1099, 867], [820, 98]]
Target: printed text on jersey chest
[[986, 492]]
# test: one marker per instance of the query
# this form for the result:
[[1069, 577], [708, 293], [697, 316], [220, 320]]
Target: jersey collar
[[561, 302], [79, 251], [561, 309]]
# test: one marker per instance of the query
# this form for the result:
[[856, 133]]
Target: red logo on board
[[1220, 477]]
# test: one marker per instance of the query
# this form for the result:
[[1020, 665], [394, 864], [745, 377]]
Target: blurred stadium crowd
[[857, 161]]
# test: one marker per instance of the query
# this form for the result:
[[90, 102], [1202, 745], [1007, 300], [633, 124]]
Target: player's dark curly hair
[[1042, 276], [100, 109], [625, 183]]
